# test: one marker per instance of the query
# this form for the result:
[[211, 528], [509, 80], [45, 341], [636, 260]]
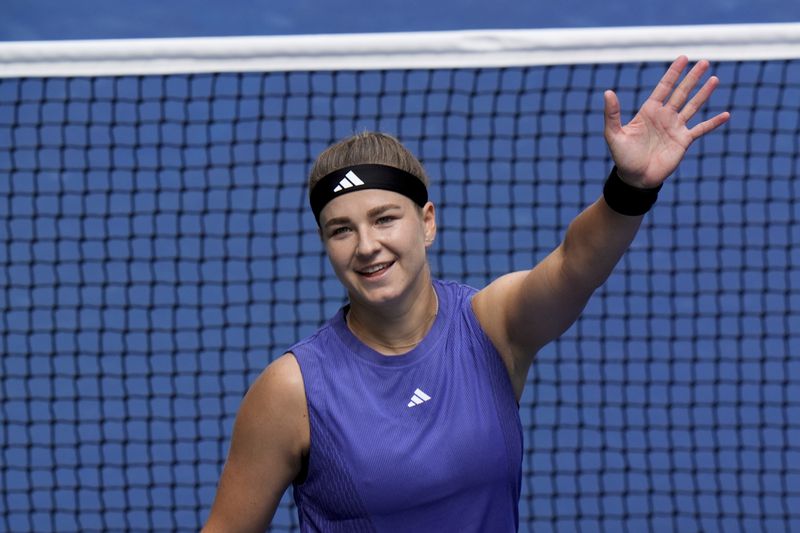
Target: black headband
[[359, 177]]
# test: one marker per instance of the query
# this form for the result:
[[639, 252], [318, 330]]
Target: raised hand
[[649, 148]]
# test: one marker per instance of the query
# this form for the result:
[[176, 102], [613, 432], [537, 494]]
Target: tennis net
[[157, 253]]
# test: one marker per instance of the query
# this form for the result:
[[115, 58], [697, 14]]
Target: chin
[[379, 294]]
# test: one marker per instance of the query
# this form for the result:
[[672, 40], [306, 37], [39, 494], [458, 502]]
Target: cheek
[[413, 240], [337, 254]]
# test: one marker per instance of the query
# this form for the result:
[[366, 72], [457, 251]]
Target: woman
[[400, 414]]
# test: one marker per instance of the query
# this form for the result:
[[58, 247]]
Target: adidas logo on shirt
[[417, 398], [350, 180]]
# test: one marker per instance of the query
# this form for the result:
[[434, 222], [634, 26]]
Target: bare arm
[[270, 439], [523, 311]]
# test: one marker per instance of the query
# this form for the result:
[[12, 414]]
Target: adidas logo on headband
[[345, 180], [350, 180]]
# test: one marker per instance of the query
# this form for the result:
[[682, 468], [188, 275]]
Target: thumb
[[613, 125]]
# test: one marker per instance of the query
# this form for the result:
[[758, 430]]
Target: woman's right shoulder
[[277, 400], [281, 377], [270, 441]]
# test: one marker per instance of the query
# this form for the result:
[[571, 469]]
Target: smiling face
[[376, 242]]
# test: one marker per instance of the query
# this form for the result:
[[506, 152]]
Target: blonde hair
[[368, 147]]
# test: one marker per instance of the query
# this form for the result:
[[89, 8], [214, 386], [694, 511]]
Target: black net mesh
[[157, 252]]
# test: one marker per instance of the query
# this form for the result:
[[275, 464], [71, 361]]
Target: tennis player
[[401, 413]]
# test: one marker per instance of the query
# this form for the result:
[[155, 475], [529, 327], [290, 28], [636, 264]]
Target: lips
[[374, 270]]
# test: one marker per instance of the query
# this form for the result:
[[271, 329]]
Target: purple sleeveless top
[[425, 441]]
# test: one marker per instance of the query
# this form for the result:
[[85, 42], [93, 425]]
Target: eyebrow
[[372, 213]]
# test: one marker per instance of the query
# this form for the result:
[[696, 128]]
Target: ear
[[429, 223]]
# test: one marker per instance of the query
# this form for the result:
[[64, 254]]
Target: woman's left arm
[[523, 311]]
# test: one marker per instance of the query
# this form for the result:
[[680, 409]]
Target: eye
[[341, 230], [385, 219]]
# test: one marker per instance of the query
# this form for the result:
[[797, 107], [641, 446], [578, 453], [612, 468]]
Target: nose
[[368, 244]]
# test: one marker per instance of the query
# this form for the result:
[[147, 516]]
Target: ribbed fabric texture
[[426, 441]]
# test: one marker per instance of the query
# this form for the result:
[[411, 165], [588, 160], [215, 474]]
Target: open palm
[[649, 148]]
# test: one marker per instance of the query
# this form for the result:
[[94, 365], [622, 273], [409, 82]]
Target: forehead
[[357, 204]]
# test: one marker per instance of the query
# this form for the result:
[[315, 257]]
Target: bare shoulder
[[278, 396], [523, 311], [270, 440], [491, 306], [281, 375]]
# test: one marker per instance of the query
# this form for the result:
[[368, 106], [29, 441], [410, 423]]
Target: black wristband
[[626, 199]]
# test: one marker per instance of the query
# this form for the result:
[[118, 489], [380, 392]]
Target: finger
[[699, 99], [687, 85], [709, 125], [669, 79], [611, 114]]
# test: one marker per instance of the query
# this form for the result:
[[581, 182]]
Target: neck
[[399, 329]]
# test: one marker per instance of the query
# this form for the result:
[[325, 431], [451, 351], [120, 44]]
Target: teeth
[[375, 268]]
